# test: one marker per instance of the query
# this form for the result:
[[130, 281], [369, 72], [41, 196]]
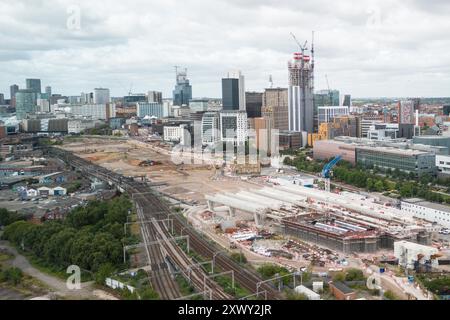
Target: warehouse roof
[[343, 288], [427, 204]]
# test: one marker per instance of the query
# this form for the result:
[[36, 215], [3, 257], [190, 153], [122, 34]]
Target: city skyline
[[368, 49]]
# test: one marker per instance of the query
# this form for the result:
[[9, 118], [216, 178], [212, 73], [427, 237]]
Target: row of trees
[[406, 188], [375, 179], [7, 217], [301, 162], [269, 270], [439, 286], [90, 236]]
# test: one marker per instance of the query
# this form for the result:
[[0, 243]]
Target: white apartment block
[[77, 126], [211, 128], [234, 126], [101, 96], [94, 111], [177, 134], [443, 164], [327, 114]]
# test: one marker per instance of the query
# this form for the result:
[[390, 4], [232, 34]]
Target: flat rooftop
[[343, 288], [427, 204], [408, 152]]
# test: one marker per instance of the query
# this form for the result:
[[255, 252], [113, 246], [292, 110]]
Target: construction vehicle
[[327, 172]]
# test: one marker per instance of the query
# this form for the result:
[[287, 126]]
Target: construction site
[[248, 208], [343, 222], [152, 162], [278, 215]]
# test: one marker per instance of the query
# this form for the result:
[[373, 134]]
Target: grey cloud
[[367, 48]]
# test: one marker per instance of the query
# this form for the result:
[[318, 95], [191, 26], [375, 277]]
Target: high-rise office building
[[34, 85], [183, 90], [300, 92], [446, 110], [275, 107], [13, 90], [198, 105], [87, 98], [101, 96], [347, 101], [406, 112], [154, 97], [233, 91], [2, 99], [326, 98], [48, 91], [25, 103], [253, 102], [416, 102]]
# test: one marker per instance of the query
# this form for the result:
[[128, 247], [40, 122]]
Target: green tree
[[8, 217], [339, 277], [354, 275], [13, 276], [379, 186], [369, 184], [104, 271], [148, 294]]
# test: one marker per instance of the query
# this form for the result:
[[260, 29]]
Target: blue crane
[[329, 166], [326, 171]]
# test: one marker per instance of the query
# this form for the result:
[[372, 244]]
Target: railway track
[[161, 233], [155, 210], [159, 275]]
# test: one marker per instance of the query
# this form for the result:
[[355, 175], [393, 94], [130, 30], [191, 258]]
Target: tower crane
[[176, 70], [330, 94], [302, 48], [130, 92], [327, 172]]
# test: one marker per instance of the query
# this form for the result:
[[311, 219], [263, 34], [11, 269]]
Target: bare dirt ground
[[187, 182]]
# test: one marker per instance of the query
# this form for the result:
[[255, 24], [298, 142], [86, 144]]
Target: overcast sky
[[367, 48]]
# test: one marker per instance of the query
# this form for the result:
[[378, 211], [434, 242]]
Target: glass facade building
[[34, 85], [230, 94], [25, 103], [409, 161], [183, 90], [198, 105], [325, 98], [134, 99], [150, 109], [253, 101]]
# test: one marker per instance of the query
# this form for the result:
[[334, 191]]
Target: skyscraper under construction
[[301, 93], [183, 90]]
